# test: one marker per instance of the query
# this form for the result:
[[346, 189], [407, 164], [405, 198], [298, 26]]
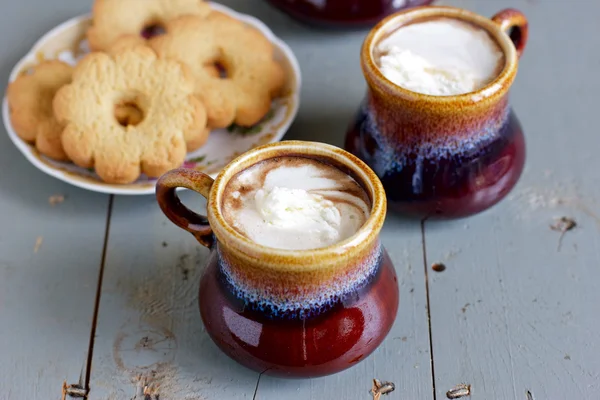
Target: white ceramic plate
[[67, 42]]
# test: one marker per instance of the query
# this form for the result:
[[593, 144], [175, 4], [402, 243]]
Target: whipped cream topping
[[297, 209], [295, 204], [441, 57]]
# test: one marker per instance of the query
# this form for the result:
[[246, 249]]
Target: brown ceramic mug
[[442, 156], [294, 313]]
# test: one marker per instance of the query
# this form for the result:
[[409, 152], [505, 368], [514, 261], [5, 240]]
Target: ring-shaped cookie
[[115, 18], [125, 43], [156, 98], [252, 76]]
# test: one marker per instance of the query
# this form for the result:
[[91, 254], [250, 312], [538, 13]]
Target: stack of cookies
[[161, 75]]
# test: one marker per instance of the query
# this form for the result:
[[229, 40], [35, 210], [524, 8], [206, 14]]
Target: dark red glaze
[[300, 313], [296, 348], [459, 186], [343, 13]]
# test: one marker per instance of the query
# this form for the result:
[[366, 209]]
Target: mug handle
[[173, 208], [514, 24]]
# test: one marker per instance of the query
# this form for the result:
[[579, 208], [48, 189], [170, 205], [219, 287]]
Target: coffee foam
[[295, 203], [440, 57]]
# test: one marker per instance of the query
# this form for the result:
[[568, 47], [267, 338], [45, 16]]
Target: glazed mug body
[[442, 156], [291, 313]]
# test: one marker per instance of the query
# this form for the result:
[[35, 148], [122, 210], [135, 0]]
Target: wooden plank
[[49, 262], [149, 330], [513, 313], [49, 254], [333, 87]]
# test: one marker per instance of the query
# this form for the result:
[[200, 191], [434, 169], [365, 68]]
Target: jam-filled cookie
[[249, 75], [145, 18]]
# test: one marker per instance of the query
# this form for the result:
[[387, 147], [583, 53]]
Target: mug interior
[[327, 154], [421, 14]]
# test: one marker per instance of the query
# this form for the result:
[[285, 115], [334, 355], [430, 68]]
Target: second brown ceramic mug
[[293, 313], [442, 156]]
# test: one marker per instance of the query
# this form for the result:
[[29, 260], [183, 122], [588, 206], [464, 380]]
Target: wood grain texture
[[149, 334], [512, 312], [49, 255], [49, 262]]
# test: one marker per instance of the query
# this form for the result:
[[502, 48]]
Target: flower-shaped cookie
[[30, 100], [129, 113], [115, 18], [251, 75]]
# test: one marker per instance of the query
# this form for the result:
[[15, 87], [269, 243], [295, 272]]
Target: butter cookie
[[129, 112], [112, 19], [250, 76]]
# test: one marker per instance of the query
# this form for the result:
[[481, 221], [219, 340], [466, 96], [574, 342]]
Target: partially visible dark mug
[[344, 13]]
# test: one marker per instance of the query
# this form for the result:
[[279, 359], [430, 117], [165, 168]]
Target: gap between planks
[[90, 352], [257, 384], [426, 269]]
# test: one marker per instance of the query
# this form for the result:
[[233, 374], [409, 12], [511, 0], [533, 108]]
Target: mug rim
[[407, 16], [231, 238]]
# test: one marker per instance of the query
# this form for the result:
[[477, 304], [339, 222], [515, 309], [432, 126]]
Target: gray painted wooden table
[[513, 315]]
